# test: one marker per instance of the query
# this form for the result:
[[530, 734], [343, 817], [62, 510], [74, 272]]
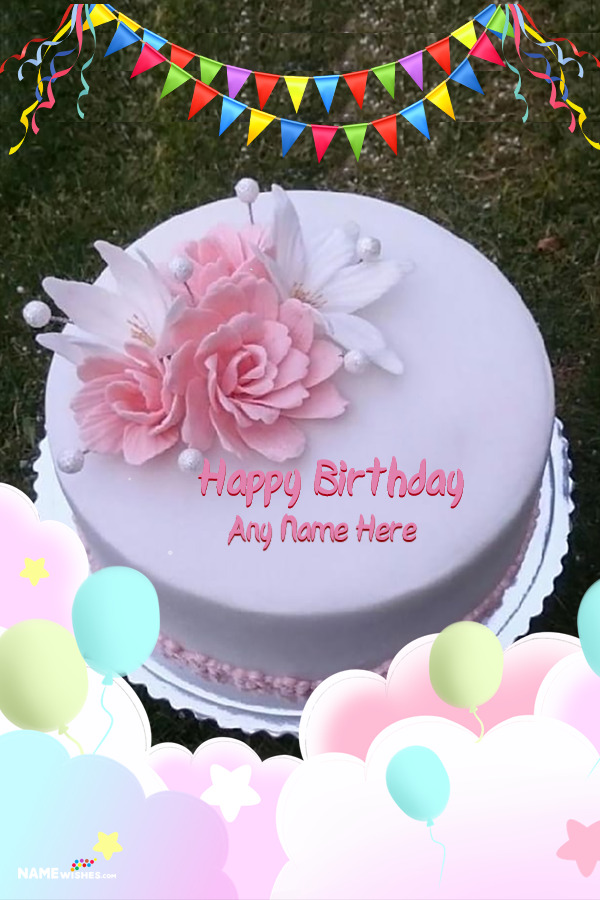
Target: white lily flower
[[324, 274], [135, 312]]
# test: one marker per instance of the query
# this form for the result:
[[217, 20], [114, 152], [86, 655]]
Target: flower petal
[[93, 309], [355, 333], [290, 253], [325, 359], [325, 258], [278, 442], [74, 348], [325, 402], [141, 445], [138, 284], [357, 286], [300, 323]]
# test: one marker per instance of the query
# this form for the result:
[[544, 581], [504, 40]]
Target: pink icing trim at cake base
[[288, 687]]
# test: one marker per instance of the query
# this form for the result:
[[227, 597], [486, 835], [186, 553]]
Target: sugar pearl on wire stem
[[182, 268], [190, 460], [70, 462], [247, 190], [369, 249]]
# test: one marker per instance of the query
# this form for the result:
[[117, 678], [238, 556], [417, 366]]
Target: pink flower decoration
[[226, 253], [125, 405], [583, 846], [247, 367]]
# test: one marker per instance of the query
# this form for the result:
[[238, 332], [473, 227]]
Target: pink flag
[[149, 57]]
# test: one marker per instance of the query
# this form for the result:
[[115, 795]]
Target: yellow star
[[107, 844], [34, 570]]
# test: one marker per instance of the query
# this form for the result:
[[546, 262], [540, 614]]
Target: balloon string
[[110, 717], [474, 711], [443, 848], [67, 735]]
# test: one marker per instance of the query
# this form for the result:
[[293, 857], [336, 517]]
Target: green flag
[[496, 23], [387, 76], [175, 79], [208, 69], [356, 136]]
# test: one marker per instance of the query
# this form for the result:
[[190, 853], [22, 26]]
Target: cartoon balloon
[[418, 783], [43, 678], [465, 665], [588, 626], [116, 620]]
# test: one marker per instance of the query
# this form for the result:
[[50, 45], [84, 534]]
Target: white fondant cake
[[475, 400]]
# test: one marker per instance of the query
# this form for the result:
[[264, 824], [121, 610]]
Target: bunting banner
[[511, 24]]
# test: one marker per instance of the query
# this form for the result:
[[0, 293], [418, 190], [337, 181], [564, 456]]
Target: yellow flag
[[129, 22], [296, 86], [440, 97], [258, 122], [466, 35], [99, 15]]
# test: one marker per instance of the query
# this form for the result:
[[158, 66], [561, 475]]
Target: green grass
[[499, 183]]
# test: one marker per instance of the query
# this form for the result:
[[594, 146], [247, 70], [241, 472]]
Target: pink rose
[[249, 367], [125, 405], [225, 253]]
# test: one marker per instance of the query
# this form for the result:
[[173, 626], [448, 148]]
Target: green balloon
[[43, 677], [465, 665]]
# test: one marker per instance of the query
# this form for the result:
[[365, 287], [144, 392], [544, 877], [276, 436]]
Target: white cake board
[[521, 602]]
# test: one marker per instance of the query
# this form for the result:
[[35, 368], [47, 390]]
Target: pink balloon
[[571, 692]]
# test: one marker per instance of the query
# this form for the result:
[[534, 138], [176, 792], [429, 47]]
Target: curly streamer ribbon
[[112, 721], [86, 87], [58, 38], [443, 848], [54, 75], [517, 91], [574, 48], [35, 41]]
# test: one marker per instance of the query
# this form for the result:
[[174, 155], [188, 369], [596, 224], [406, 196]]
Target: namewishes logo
[[80, 868]]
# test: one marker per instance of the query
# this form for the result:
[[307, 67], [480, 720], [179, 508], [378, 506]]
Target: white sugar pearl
[[369, 249], [37, 314], [247, 190], [352, 229], [355, 362], [71, 461], [190, 460], [181, 268]]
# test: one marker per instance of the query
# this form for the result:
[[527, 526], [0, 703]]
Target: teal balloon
[[116, 620], [588, 626], [418, 783]]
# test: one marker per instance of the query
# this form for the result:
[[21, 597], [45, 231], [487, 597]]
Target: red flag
[[484, 49], [264, 85], [203, 94], [148, 58], [180, 57], [357, 82], [388, 129], [441, 53], [323, 135]]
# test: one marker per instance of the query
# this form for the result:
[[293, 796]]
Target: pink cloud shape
[[571, 692], [255, 854], [22, 536], [350, 709]]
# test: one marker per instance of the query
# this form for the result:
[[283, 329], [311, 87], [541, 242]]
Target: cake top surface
[[475, 395]]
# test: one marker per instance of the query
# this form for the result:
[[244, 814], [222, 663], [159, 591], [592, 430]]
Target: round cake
[[328, 441]]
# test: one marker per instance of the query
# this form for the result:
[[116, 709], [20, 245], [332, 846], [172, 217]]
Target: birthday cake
[[320, 433]]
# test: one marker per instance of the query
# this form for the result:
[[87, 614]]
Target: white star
[[230, 790]]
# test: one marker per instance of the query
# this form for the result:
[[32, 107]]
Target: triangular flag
[[149, 57], [236, 78], [323, 135], [441, 53], [175, 79], [466, 34], [230, 111], [264, 85], [122, 37], [180, 57], [203, 94], [357, 81], [290, 132], [296, 86], [387, 76], [486, 14], [356, 136], [465, 75], [155, 40], [496, 23], [413, 64], [208, 69], [388, 129], [416, 116], [327, 85], [440, 97], [100, 15], [484, 49], [258, 122], [129, 22]]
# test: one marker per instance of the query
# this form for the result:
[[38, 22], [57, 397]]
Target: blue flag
[[230, 111], [122, 37], [485, 15], [290, 132], [465, 75], [153, 39], [327, 85], [416, 116]]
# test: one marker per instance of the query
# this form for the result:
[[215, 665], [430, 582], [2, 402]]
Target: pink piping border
[[288, 687]]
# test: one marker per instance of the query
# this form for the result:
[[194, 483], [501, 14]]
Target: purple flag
[[413, 64], [236, 78]]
